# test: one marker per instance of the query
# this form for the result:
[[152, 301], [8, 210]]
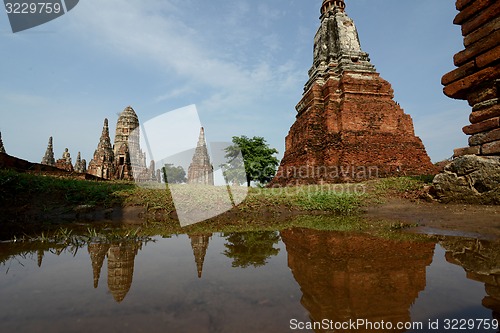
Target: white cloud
[[136, 31]]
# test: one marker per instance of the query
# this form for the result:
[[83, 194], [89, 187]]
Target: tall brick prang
[[48, 158], [130, 161], [348, 127], [200, 170], [102, 164], [125, 158]]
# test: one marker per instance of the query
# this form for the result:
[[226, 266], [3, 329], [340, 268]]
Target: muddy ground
[[441, 219]]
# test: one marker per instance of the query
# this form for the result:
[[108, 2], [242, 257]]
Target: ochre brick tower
[[200, 170], [348, 126]]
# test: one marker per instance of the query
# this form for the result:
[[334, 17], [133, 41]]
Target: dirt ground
[[441, 219]]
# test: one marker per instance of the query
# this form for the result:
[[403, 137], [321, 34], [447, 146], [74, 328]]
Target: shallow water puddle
[[251, 282]]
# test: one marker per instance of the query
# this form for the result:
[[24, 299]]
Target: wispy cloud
[[135, 30]]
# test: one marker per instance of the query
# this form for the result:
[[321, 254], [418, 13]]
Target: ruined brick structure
[[102, 164], [125, 159], [64, 163], [477, 77], [129, 158], [348, 127], [80, 164], [48, 158], [474, 174], [200, 170]]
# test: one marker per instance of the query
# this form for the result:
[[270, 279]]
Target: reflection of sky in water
[[166, 294]]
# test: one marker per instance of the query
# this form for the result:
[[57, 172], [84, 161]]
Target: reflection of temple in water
[[351, 276], [481, 261], [199, 243], [120, 266]]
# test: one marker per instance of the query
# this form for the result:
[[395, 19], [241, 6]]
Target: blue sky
[[242, 62]]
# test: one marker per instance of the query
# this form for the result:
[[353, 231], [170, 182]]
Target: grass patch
[[399, 184], [23, 187], [340, 200], [340, 203]]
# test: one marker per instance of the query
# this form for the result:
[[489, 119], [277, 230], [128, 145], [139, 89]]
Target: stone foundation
[[469, 179]]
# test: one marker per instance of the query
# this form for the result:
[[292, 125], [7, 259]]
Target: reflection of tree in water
[[251, 248]]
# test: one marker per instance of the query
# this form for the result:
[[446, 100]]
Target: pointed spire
[[336, 46], [97, 255], [201, 138], [40, 254], [200, 170], [2, 148], [48, 158], [105, 130], [105, 140], [199, 244], [80, 165]]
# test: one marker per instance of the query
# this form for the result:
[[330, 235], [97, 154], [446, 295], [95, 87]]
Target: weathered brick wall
[[478, 74], [351, 129]]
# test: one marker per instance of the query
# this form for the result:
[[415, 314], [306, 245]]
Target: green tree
[[251, 248], [258, 158], [173, 174]]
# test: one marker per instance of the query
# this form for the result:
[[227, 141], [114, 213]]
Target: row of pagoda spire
[[124, 159]]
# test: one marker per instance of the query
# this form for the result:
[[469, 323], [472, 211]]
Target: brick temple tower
[[129, 157], [348, 127], [102, 164], [80, 164], [200, 170], [48, 158]]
